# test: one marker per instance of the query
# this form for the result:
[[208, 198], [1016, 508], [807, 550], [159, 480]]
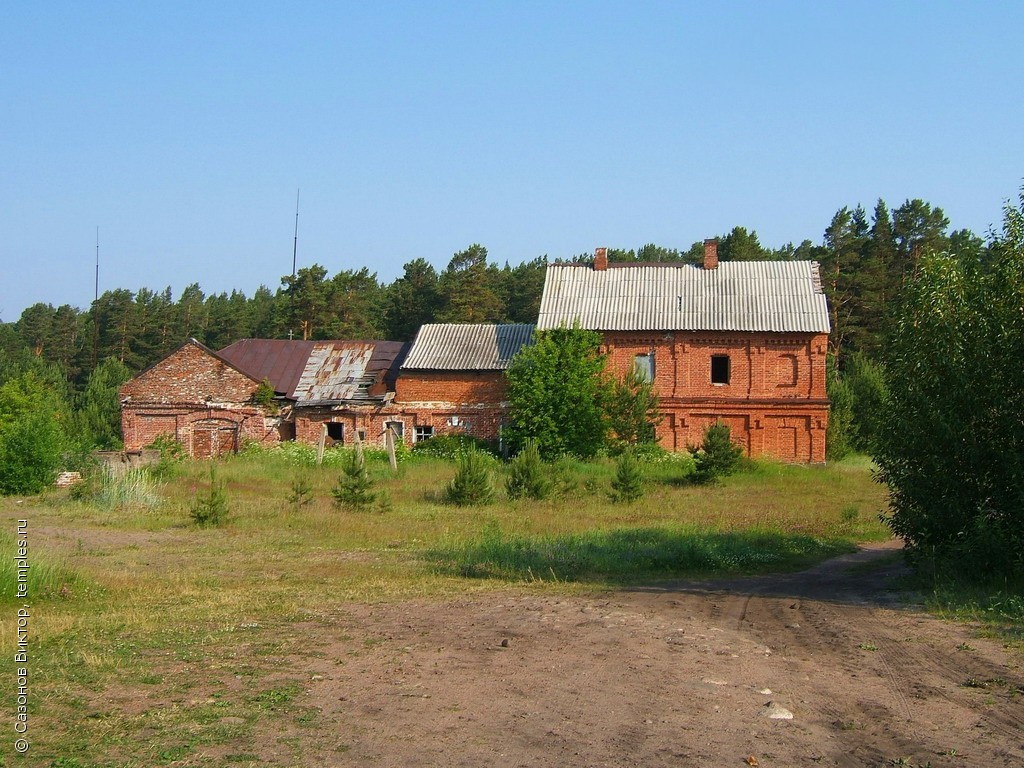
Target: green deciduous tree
[[33, 433], [952, 451], [557, 392]]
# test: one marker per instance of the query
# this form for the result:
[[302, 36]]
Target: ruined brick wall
[[479, 420], [197, 400], [454, 387], [774, 402], [190, 375], [202, 431]]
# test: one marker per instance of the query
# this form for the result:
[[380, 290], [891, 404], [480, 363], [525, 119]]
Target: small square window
[[644, 367], [423, 432], [336, 431], [397, 427], [720, 369]]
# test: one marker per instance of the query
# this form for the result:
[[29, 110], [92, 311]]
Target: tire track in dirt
[[675, 674], [840, 630]]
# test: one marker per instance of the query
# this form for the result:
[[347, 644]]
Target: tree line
[[863, 258]]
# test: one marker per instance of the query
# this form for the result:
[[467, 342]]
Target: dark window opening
[[719, 369], [644, 367], [336, 431], [424, 433]]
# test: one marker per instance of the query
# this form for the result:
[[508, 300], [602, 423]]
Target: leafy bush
[[32, 434], [628, 483], [472, 481], [354, 486], [451, 446], [952, 451], [527, 475], [210, 508], [839, 436], [717, 456], [172, 454]]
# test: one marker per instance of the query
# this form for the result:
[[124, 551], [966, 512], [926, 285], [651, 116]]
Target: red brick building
[[199, 399], [740, 342], [453, 379]]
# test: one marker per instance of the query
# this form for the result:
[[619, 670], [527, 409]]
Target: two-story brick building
[[740, 342]]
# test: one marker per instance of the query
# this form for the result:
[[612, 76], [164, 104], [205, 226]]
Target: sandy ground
[[681, 674]]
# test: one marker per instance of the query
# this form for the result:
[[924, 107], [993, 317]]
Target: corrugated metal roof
[[467, 347], [319, 371], [780, 296]]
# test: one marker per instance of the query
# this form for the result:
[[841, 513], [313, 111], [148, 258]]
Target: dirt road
[[683, 674]]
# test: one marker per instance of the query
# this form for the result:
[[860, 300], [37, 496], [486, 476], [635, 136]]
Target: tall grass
[[45, 580], [133, 487], [622, 555]]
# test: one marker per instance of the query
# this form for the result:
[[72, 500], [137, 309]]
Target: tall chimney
[[600, 259], [711, 254]]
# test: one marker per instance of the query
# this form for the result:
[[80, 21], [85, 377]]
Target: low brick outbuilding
[[453, 379], [199, 399]]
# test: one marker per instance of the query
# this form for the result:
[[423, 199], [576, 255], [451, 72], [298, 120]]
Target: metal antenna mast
[[295, 242], [97, 296]]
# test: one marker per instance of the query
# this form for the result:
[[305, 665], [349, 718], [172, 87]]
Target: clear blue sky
[[415, 129]]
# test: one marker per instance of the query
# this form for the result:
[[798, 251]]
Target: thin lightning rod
[[97, 296], [295, 242]]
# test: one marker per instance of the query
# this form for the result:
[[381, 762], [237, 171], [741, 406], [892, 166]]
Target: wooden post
[[320, 445], [389, 441]]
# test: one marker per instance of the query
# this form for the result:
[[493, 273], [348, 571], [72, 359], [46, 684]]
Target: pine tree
[[527, 477], [472, 482], [354, 488], [717, 456], [628, 483]]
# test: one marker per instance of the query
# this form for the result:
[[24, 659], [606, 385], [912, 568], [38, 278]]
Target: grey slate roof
[[466, 347], [780, 296]]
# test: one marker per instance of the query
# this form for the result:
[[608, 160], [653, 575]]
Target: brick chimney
[[600, 259], [711, 254]]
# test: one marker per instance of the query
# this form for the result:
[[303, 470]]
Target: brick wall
[[774, 402], [466, 387], [196, 399], [479, 420], [202, 431]]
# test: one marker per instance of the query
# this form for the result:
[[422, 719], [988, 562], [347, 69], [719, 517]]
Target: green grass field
[[128, 594]]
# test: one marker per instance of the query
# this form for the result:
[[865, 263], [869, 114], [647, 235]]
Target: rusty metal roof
[[780, 296], [312, 372], [279, 361], [467, 346]]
